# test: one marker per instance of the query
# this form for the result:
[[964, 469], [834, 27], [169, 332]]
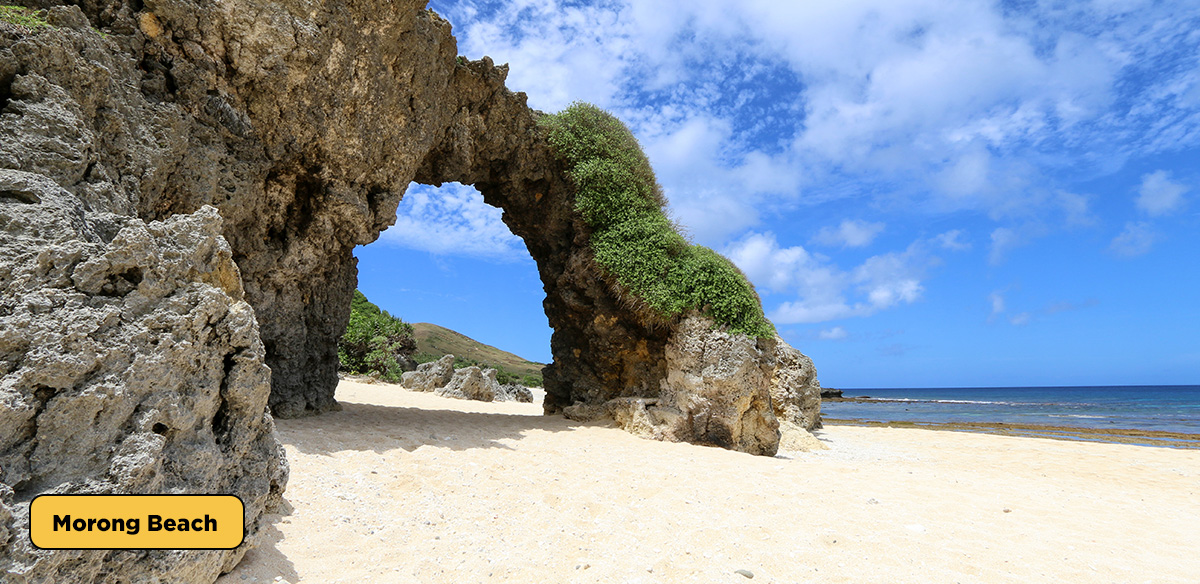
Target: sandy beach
[[410, 487]]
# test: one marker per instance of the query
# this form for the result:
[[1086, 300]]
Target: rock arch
[[179, 202]]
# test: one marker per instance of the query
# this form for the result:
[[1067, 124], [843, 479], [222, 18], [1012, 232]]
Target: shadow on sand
[[382, 428], [264, 561]]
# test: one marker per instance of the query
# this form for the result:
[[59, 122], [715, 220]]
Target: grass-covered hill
[[433, 341]]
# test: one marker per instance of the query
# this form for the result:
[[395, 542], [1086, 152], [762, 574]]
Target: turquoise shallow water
[[1174, 408]]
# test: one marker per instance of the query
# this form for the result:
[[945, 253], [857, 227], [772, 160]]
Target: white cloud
[[850, 233], [1076, 208], [1159, 195], [1003, 241], [1137, 239], [1021, 319], [997, 300], [825, 292], [749, 108], [836, 333], [557, 53], [452, 220], [953, 240]]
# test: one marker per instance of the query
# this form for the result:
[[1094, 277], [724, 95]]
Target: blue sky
[[925, 192]]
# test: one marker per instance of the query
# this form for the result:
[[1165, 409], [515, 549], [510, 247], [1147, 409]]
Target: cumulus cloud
[[966, 105], [1003, 241], [953, 240], [836, 333], [850, 233], [997, 300], [452, 220], [1076, 208], [1159, 195], [1137, 239], [822, 290]]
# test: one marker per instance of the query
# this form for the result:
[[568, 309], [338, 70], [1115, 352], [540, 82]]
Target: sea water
[[1170, 408]]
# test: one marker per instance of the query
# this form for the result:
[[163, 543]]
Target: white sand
[[410, 487]]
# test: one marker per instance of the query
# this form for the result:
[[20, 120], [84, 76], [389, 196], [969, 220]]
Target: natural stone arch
[[388, 101], [301, 123]]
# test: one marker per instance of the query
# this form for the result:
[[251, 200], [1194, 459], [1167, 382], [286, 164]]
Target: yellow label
[[136, 521]]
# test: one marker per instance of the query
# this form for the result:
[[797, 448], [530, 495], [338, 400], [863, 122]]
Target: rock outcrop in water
[[179, 200]]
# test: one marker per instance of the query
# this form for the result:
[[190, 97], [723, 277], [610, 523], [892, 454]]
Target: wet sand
[[410, 487]]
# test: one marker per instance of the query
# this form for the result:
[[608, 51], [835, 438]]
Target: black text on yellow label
[[136, 521]]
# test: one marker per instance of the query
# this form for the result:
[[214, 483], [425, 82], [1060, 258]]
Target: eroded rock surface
[[130, 361], [716, 392], [131, 364], [179, 200], [429, 376], [473, 383], [516, 392], [795, 390]]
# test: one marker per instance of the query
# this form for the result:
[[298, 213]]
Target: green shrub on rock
[[632, 238], [375, 342]]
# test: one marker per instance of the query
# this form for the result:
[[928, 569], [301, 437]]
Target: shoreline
[[402, 486], [1135, 437]]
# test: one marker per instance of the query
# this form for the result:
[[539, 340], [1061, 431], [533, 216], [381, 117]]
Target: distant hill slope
[[437, 340]]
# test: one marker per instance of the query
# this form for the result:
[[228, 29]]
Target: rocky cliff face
[[201, 158]]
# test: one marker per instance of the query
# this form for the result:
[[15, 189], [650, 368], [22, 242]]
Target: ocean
[[1149, 410]]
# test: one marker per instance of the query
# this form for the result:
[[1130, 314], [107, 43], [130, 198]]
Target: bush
[[375, 342], [632, 239]]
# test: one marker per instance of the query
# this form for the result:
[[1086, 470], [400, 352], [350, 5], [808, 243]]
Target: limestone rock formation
[[753, 395], [179, 201], [130, 361], [717, 392], [304, 123], [795, 390], [472, 383], [516, 392], [131, 364], [430, 376]]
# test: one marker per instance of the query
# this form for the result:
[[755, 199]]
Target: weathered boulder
[[795, 390], [473, 383], [429, 376], [131, 364], [515, 392], [716, 392]]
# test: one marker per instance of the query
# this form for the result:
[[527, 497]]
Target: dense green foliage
[[632, 238], [374, 341], [24, 17], [502, 376]]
